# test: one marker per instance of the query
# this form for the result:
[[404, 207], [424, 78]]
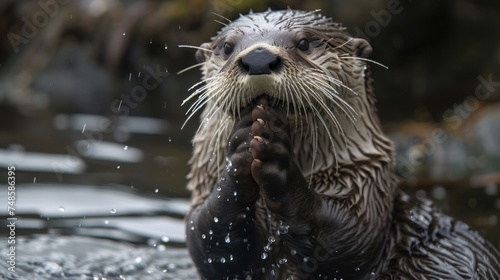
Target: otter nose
[[259, 62]]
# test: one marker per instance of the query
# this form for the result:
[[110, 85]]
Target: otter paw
[[271, 151], [237, 169]]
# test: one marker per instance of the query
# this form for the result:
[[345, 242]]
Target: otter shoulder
[[427, 242]]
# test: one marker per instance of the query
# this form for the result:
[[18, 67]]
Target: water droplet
[[113, 211], [209, 260], [283, 261], [151, 41], [166, 47], [263, 256], [165, 239], [271, 239], [34, 180], [106, 222], [61, 209], [227, 239], [357, 269], [138, 259], [203, 236], [283, 229], [156, 190], [235, 193], [161, 248], [210, 232], [231, 257], [229, 164], [169, 139], [192, 228], [219, 189], [216, 219], [129, 76], [118, 167], [222, 260], [125, 148], [267, 248]]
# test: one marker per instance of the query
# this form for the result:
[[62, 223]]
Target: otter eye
[[228, 48], [303, 45]]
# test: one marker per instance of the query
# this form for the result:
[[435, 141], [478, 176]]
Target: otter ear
[[202, 55], [363, 48]]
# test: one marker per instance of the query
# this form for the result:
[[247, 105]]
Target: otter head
[[305, 64]]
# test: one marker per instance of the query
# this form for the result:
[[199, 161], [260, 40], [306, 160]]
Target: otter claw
[[261, 121], [258, 138]]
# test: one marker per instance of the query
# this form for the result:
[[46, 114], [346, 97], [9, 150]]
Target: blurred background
[[90, 97]]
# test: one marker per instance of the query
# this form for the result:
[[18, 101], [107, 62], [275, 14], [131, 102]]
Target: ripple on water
[[73, 257]]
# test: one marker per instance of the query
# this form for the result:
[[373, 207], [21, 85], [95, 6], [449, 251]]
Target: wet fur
[[292, 175]]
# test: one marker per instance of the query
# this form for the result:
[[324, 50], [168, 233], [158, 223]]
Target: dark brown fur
[[292, 174]]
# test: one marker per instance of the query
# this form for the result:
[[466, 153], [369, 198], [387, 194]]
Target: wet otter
[[291, 173]]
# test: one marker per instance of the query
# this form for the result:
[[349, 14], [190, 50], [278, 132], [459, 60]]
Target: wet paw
[[237, 171], [271, 152]]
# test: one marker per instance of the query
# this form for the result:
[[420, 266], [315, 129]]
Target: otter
[[291, 174]]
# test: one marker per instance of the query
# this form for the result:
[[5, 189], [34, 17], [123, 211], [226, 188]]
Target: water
[[76, 257], [89, 232]]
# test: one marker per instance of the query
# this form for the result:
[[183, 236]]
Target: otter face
[[296, 58], [305, 64], [293, 57]]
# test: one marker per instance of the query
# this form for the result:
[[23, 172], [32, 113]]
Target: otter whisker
[[311, 124], [190, 67], [203, 81], [339, 46], [364, 59], [333, 95], [202, 100], [205, 96], [220, 22], [289, 99], [222, 17], [194, 112], [327, 110], [327, 131], [195, 47]]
